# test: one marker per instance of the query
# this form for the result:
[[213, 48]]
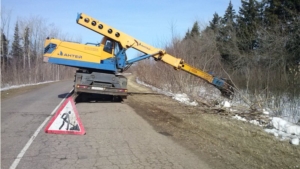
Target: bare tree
[[5, 20], [5, 24], [33, 32]]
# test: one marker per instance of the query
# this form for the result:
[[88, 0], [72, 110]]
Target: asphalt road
[[116, 137]]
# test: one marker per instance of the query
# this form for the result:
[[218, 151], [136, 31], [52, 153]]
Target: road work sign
[[66, 120]]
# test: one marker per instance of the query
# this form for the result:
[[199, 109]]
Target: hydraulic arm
[[127, 41], [100, 64]]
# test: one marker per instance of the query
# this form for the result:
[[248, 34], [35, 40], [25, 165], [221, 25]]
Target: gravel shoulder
[[219, 140]]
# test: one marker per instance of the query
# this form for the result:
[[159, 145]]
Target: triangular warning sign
[[66, 120]]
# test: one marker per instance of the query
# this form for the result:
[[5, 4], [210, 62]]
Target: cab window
[[108, 47], [117, 48]]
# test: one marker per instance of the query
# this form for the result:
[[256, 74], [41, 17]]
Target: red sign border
[[82, 130]]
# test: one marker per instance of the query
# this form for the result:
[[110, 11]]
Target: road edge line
[[27, 145]]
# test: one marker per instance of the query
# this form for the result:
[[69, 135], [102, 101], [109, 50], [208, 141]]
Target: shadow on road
[[64, 95], [98, 98]]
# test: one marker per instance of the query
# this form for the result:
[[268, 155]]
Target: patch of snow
[[155, 89], [286, 107], [285, 130], [23, 85], [295, 141], [285, 126], [279, 134], [255, 122], [207, 93], [282, 129], [233, 110], [226, 104], [183, 98], [266, 112], [239, 118]]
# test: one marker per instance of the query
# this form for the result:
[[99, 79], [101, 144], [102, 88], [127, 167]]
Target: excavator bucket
[[227, 90]]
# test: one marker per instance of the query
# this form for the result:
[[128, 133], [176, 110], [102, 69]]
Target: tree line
[[22, 53], [257, 48], [259, 44]]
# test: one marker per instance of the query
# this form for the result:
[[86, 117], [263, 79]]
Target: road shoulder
[[219, 140]]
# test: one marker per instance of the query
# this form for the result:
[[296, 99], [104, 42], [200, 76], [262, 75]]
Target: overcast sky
[[150, 21]]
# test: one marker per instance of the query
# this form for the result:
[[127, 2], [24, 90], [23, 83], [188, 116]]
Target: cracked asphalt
[[116, 136]]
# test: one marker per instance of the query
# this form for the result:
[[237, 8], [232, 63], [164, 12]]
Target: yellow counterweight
[[76, 51]]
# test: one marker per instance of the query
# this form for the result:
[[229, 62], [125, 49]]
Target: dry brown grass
[[219, 140], [39, 72]]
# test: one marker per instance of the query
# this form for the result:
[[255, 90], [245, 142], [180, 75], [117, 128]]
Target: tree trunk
[[29, 65]]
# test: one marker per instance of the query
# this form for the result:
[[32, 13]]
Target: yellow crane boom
[[127, 41]]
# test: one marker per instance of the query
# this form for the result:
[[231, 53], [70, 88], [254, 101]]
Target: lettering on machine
[[70, 55]]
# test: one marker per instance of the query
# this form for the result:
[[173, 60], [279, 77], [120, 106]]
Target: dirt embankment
[[219, 140]]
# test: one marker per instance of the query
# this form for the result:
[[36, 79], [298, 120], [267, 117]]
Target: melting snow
[[285, 126], [154, 88], [295, 141], [265, 112], [281, 128], [226, 104], [183, 98], [239, 118], [23, 85], [255, 122], [285, 130]]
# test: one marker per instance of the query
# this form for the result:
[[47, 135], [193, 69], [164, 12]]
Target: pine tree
[[293, 45], [248, 25], [187, 34], [4, 49], [272, 13], [226, 40], [229, 16], [281, 12], [4, 46], [25, 46], [228, 24], [284, 15], [215, 23], [16, 51], [195, 32], [261, 10]]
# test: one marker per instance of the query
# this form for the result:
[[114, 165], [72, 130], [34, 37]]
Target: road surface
[[116, 136]]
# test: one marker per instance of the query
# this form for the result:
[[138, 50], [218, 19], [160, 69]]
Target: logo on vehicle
[[70, 55]]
